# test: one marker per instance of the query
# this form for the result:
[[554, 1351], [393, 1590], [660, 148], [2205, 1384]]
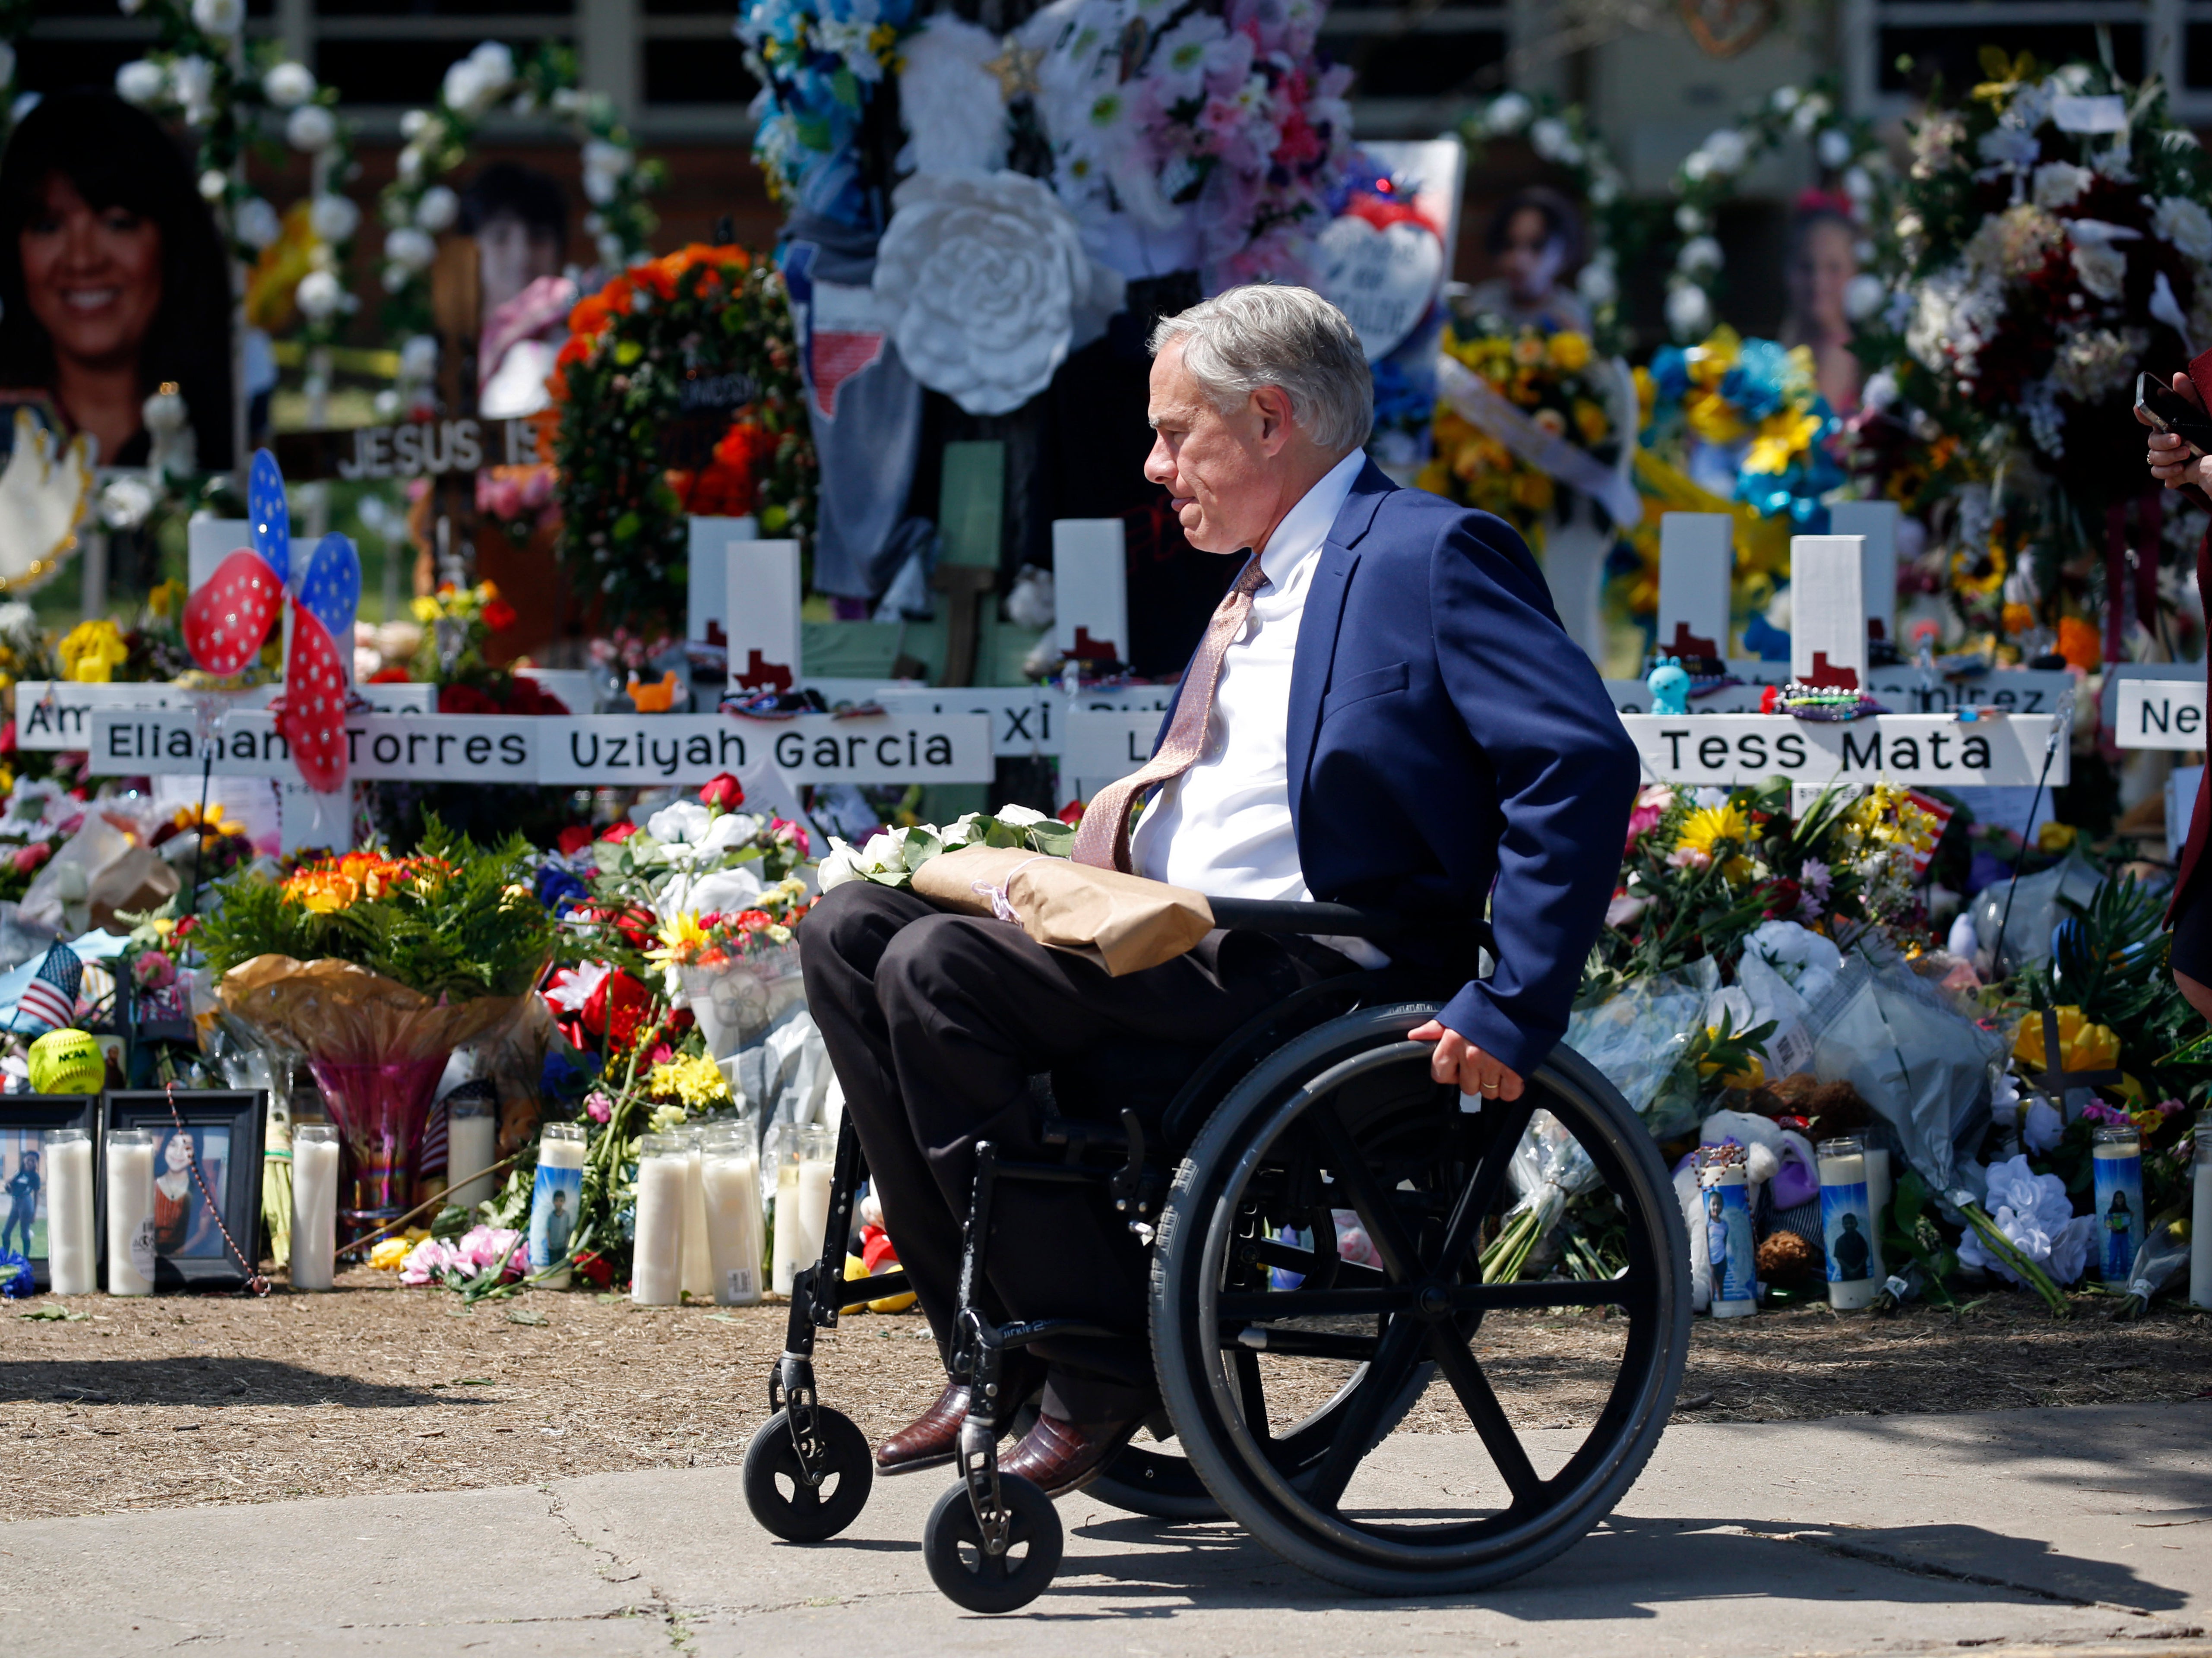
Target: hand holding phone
[[2163, 409]]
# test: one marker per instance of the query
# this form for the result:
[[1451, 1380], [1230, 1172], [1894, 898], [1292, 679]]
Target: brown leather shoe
[[1059, 1457], [931, 1439]]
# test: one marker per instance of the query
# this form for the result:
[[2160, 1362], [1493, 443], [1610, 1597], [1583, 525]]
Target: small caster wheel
[[952, 1544], [775, 1482]]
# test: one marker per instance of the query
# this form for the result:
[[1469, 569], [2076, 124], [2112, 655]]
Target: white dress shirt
[[1223, 827]]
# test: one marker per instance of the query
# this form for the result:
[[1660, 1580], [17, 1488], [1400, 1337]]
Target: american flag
[[1941, 814], [49, 1001]]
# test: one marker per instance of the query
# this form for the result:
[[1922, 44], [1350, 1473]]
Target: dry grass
[[182, 1400]]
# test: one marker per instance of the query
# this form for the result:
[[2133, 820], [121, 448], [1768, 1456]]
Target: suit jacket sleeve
[[1565, 779]]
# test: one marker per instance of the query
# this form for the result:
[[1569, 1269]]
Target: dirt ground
[[186, 1400]]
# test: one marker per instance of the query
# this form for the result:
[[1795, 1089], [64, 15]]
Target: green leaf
[[526, 1315]]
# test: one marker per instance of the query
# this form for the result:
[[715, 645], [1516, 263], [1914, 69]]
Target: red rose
[[724, 791], [499, 615], [29, 858], [389, 677], [465, 699], [619, 997], [618, 831], [1072, 812], [593, 1267], [574, 839]]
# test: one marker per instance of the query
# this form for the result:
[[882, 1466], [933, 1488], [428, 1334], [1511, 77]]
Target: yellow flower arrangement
[[93, 651], [1547, 377], [698, 1082]]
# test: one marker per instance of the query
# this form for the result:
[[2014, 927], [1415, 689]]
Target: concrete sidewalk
[[2087, 1529]]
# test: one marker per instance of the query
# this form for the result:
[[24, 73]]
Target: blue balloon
[[269, 519], [331, 591]]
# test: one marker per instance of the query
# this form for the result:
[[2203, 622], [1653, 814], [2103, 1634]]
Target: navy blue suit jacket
[[1448, 742]]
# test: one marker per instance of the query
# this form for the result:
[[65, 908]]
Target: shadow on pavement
[[211, 1383], [1626, 1568]]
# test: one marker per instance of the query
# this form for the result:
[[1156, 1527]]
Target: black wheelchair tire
[[990, 1585], [803, 1516], [1183, 1255]]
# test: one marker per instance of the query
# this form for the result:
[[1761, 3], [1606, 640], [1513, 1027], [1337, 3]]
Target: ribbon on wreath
[[2150, 524], [1476, 401]]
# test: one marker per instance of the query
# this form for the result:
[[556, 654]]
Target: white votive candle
[[656, 1272], [472, 1143], [130, 1211], [315, 1205], [730, 1179], [1879, 1189], [1847, 1224], [698, 1265], [72, 1256], [802, 1201], [2200, 1219]]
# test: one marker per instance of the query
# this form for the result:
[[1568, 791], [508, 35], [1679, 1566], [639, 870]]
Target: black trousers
[[935, 1023]]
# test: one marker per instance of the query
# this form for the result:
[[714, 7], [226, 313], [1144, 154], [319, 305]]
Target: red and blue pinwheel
[[227, 619]]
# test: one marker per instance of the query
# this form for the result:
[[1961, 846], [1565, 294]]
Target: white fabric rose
[[410, 249], [318, 295], [334, 217], [221, 18], [139, 81], [287, 85], [986, 287], [2060, 183], [438, 208], [2185, 224], [257, 223], [311, 128], [2034, 1212]]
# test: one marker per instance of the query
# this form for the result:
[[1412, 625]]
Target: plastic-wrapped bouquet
[[1226, 126]]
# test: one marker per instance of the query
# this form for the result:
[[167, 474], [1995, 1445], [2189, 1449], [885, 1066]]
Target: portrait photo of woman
[[183, 1228], [113, 282]]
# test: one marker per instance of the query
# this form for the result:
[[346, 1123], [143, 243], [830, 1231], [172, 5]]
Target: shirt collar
[[1307, 525]]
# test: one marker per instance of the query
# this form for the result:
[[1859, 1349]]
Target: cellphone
[[2167, 410]]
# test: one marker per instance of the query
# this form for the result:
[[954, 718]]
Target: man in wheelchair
[[1385, 711]]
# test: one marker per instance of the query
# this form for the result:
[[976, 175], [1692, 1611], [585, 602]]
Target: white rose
[[1549, 137], [414, 123], [318, 295], [1727, 150], [2060, 183], [1508, 112], [1858, 184], [221, 18], [311, 128], [418, 358], [437, 209], [410, 248], [409, 164], [1604, 188], [1879, 391], [124, 503], [1689, 220], [2102, 268], [213, 184], [396, 278], [1864, 295], [1597, 286], [1698, 166], [2185, 225], [257, 224], [1689, 312], [334, 217], [839, 867], [1834, 148], [1785, 99], [139, 81], [1700, 254], [191, 83], [984, 280], [287, 85]]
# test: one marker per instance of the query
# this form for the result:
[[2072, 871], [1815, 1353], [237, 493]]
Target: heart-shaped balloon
[[267, 514], [314, 719], [227, 619], [332, 587]]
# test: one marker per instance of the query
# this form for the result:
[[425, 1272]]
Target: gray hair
[[1261, 335]]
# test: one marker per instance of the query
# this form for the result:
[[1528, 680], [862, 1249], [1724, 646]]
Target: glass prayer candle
[[698, 1268], [2200, 1216], [555, 1198], [2116, 1158], [130, 1211], [471, 1145], [72, 1247], [1847, 1224], [315, 1205], [802, 1201], [1722, 1182], [663, 1169], [736, 1234]]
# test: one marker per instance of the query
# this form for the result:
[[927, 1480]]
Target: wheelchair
[[1320, 1109]]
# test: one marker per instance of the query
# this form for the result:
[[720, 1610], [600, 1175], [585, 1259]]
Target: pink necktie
[[1103, 838]]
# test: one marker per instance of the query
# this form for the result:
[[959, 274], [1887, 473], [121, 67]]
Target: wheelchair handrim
[[1624, 1440]]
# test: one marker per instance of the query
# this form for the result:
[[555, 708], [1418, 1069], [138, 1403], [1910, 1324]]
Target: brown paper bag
[[1125, 923]]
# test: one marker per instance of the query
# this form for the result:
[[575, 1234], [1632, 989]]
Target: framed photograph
[[222, 1131], [25, 1192]]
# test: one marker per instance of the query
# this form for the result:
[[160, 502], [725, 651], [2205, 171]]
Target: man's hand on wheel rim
[[1460, 1061]]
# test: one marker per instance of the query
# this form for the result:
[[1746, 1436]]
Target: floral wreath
[[678, 322], [417, 204], [1843, 145], [819, 64]]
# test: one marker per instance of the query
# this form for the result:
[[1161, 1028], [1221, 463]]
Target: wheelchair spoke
[[1251, 1395], [1626, 1292], [1369, 1199], [1243, 1307], [1484, 1410], [1394, 1358], [1482, 1188]]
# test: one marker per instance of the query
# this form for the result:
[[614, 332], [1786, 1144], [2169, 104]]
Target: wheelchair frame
[[978, 1523]]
